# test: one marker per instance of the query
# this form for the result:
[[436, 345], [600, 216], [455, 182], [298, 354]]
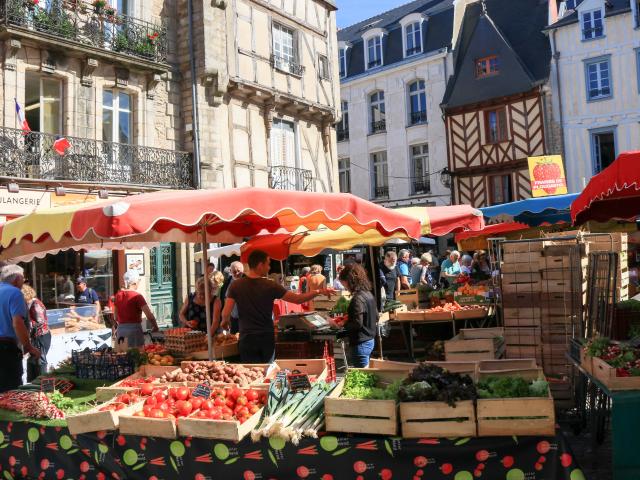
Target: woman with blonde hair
[[38, 331], [194, 313]]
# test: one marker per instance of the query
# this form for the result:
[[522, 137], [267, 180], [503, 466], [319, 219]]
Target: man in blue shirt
[[86, 295], [13, 329], [404, 265]]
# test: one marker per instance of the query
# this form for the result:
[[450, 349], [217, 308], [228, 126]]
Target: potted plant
[[98, 6]]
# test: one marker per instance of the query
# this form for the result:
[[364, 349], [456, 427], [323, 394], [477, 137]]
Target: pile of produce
[[512, 387], [430, 383], [154, 348], [136, 382], [215, 372], [451, 307], [624, 358], [225, 339], [341, 307], [364, 385], [224, 404], [66, 404], [30, 404], [391, 305], [291, 415], [467, 289]]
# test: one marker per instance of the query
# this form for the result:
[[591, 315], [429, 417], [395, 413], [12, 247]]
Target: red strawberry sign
[[547, 176]]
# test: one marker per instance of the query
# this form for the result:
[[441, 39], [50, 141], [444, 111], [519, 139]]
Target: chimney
[[459, 7], [553, 12]]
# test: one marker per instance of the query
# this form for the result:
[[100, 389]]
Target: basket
[[102, 364]]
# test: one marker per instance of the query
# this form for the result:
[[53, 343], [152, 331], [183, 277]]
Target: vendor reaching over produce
[[13, 329], [254, 294], [193, 312], [362, 314], [129, 306]]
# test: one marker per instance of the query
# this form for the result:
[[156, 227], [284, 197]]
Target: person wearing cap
[[129, 305], [86, 295]]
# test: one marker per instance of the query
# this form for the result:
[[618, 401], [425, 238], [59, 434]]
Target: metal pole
[[207, 290], [376, 290]]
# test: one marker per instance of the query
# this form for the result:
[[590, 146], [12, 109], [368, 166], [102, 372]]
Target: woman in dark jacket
[[362, 314]]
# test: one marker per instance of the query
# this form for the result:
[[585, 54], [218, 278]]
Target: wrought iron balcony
[[379, 126], [421, 186], [81, 22], [382, 192], [413, 51], [343, 134], [287, 65], [290, 178], [32, 155], [418, 117]]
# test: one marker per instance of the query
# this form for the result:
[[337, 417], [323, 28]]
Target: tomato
[[146, 389], [235, 393], [219, 402], [196, 402], [218, 392], [160, 396], [251, 395], [202, 414], [124, 398], [147, 409], [230, 403], [227, 410], [241, 400], [241, 411], [182, 393], [157, 413], [207, 405], [184, 407], [164, 407], [226, 416], [140, 414], [263, 398], [254, 409], [215, 415], [151, 401]]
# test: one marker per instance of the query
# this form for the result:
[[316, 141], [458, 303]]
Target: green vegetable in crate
[[430, 383], [364, 386], [391, 305], [512, 387], [341, 307]]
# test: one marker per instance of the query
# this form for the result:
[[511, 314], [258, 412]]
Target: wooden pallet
[[437, 419], [522, 336], [516, 416], [473, 344]]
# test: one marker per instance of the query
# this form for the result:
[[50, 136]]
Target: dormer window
[[412, 34], [592, 24], [487, 66], [342, 58], [373, 48]]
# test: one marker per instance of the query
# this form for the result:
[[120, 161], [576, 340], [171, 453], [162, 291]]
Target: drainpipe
[[197, 180]]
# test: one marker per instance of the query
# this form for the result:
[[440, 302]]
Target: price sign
[[47, 385], [202, 390], [299, 381]]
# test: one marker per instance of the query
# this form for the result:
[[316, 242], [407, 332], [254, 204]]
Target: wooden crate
[[230, 430], [522, 336], [522, 247], [558, 274], [104, 394], [521, 322], [520, 267], [409, 297], [562, 393], [516, 416], [524, 351], [559, 286], [438, 316], [521, 299], [379, 417], [411, 315], [463, 368], [556, 333], [437, 419], [521, 312], [586, 361], [324, 303], [316, 367], [220, 352], [555, 262], [607, 375], [475, 344], [521, 282], [471, 313], [95, 420], [150, 427], [526, 367], [522, 258]]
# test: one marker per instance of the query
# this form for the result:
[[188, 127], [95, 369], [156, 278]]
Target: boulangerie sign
[[23, 202]]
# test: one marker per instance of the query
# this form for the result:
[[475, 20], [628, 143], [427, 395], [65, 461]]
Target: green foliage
[[363, 385], [597, 347], [342, 306], [512, 387], [435, 384]]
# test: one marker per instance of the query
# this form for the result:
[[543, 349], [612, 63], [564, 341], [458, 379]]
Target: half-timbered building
[[497, 104]]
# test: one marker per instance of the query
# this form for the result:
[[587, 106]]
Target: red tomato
[[235, 393], [164, 407], [146, 389], [251, 395], [227, 410], [254, 409], [184, 407], [160, 396], [157, 413], [151, 401], [173, 392], [215, 415], [241, 400], [263, 398], [219, 402], [147, 409], [124, 398], [241, 411], [183, 393], [202, 414], [140, 414], [207, 405], [230, 403], [196, 402]]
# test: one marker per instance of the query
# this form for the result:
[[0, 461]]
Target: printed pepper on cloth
[[30, 451]]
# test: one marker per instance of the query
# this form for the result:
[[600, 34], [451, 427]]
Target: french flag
[[21, 118]]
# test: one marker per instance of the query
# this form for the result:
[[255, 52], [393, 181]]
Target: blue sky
[[353, 11]]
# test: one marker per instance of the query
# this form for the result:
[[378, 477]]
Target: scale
[[303, 321]]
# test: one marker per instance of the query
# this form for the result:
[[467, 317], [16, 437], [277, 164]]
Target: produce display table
[[625, 425], [33, 451]]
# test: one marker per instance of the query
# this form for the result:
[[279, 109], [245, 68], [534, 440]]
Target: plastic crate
[[102, 364]]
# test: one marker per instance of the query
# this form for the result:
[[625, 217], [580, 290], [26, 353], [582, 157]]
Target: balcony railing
[[32, 155], [381, 192], [421, 186], [286, 65], [290, 178], [343, 134], [80, 22], [418, 117], [379, 126]]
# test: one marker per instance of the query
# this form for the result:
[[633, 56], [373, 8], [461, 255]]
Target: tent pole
[[282, 273], [207, 290], [376, 289]]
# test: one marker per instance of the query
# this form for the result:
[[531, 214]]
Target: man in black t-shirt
[[254, 294]]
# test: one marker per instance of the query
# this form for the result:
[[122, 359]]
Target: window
[[374, 52], [603, 147], [487, 66], [283, 143], [592, 26], [344, 175], [598, 73], [43, 103], [496, 125], [636, 4], [342, 129], [376, 105], [323, 67], [342, 60], [420, 169], [285, 50], [413, 39], [500, 189], [417, 103], [638, 66], [117, 120], [380, 175]]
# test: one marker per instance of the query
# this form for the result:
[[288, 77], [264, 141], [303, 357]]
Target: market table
[[30, 450]]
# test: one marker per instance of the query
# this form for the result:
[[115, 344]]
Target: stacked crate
[[617, 243], [521, 291]]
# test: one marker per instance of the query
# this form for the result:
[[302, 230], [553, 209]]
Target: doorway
[[162, 281]]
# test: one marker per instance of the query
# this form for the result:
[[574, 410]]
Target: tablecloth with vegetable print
[[31, 451]]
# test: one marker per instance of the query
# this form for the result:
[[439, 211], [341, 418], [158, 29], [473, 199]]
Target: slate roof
[[615, 7], [510, 29], [436, 36]]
